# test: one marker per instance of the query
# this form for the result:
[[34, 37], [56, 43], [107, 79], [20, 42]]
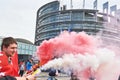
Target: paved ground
[[44, 76]]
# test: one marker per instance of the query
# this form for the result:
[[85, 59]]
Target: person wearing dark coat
[[52, 74]]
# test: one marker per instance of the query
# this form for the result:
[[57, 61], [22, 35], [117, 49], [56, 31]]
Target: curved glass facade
[[24, 48], [111, 32], [51, 21]]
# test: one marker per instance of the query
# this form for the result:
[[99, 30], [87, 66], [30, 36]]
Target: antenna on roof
[[83, 4], [71, 5]]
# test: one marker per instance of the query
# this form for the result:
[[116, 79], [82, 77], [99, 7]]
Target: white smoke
[[81, 62]]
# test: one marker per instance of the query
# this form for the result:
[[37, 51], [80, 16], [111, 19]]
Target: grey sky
[[18, 17]]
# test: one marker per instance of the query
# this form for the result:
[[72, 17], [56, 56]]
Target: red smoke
[[81, 53], [65, 43]]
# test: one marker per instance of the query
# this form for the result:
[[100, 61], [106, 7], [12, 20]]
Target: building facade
[[111, 33], [51, 20]]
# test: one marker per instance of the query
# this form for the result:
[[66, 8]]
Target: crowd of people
[[26, 67]]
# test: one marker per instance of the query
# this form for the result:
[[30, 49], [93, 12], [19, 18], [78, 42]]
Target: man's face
[[11, 49]]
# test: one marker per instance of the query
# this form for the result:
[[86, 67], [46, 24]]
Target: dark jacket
[[51, 78], [7, 78]]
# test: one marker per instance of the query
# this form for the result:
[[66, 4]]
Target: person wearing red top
[[9, 59], [9, 65]]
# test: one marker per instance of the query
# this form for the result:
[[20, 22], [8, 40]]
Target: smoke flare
[[80, 53]]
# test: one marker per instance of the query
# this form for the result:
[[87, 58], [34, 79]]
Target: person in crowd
[[73, 77], [9, 60], [52, 74], [29, 64], [7, 77], [22, 67]]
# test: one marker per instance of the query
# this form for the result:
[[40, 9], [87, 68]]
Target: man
[[52, 74], [9, 59]]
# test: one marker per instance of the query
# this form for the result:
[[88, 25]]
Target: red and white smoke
[[80, 53]]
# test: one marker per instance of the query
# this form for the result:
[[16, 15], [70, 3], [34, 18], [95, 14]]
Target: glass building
[[52, 19], [25, 48]]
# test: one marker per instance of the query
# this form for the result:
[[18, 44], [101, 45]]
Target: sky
[[18, 17]]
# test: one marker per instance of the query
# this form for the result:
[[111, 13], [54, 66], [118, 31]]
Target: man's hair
[[52, 72], [7, 41]]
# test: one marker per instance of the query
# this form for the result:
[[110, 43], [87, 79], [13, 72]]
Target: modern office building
[[52, 19], [111, 32], [25, 48]]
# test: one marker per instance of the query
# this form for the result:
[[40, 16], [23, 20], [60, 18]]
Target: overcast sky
[[18, 17]]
